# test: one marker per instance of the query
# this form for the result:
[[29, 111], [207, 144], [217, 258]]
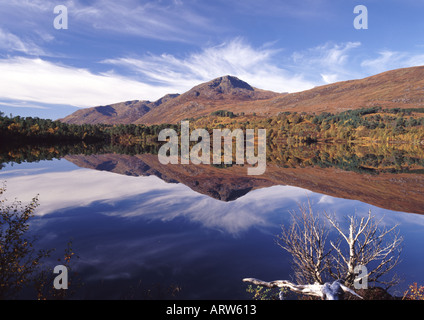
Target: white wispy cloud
[[331, 61], [388, 60], [163, 20], [23, 104], [334, 62], [9, 42], [27, 17], [159, 20], [46, 82], [257, 66]]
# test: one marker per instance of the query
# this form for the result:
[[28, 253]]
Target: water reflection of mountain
[[398, 192]]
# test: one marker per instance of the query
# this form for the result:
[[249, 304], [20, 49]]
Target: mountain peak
[[228, 83], [222, 87]]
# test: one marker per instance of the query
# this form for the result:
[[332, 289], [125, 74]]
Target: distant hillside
[[124, 112], [401, 88]]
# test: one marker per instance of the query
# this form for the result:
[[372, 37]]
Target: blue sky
[[115, 51]]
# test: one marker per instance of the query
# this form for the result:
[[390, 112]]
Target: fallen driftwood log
[[326, 291]]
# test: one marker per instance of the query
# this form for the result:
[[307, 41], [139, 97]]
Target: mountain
[[401, 88], [124, 112], [200, 100]]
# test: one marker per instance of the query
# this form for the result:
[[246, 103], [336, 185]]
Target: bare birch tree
[[367, 245], [318, 262]]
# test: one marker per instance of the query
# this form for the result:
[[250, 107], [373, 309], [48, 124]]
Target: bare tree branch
[[326, 291]]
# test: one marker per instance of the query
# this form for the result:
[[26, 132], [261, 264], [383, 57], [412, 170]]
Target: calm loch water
[[141, 237]]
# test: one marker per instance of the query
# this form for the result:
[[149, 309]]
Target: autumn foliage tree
[[19, 260], [21, 265]]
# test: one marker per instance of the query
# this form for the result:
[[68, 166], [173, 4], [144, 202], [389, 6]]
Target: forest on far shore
[[373, 124]]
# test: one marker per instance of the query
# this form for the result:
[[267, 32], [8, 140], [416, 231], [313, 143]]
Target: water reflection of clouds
[[326, 199], [21, 172], [117, 222], [232, 217], [153, 199], [61, 190], [148, 197]]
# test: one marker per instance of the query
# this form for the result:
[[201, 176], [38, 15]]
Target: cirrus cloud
[[257, 66], [38, 80], [387, 60]]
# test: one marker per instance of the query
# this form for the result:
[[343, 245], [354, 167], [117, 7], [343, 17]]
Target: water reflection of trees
[[373, 158], [17, 153]]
